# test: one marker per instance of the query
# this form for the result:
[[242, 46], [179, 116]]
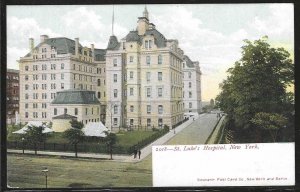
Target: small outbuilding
[[61, 123]]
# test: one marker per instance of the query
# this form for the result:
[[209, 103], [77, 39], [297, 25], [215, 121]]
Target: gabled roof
[[64, 116], [75, 96]]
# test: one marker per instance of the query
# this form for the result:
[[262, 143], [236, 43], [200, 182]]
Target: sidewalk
[[213, 139], [119, 158]]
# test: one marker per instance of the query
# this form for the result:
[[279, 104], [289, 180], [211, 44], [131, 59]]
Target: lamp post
[[45, 171], [23, 144]]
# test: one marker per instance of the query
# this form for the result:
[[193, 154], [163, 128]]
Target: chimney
[[31, 44], [76, 46], [93, 51], [43, 38]]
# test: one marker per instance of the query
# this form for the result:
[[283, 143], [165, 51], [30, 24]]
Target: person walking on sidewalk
[[140, 154], [135, 153]]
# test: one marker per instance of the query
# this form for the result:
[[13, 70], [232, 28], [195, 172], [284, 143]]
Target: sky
[[212, 34]]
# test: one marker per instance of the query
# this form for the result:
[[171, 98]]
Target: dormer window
[[146, 44]]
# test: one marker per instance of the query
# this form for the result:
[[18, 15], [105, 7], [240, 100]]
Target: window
[[160, 59], [26, 77], [148, 92], [62, 76], [183, 95], [62, 86], [131, 122], [53, 66], [190, 84], [146, 44], [115, 109], [86, 111], [26, 114], [26, 105], [148, 60], [99, 82], [190, 74], [53, 76], [26, 87], [150, 44], [65, 110], [115, 62], [160, 122], [148, 75], [131, 108], [159, 76], [131, 59], [159, 92], [160, 109], [99, 95], [115, 77], [62, 66], [131, 91], [26, 96], [131, 74], [26, 68], [190, 105], [148, 122], [115, 93], [115, 121], [55, 111], [190, 94], [148, 109]]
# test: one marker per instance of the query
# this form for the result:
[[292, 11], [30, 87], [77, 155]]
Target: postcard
[[155, 95]]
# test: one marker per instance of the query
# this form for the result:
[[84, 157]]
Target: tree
[[110, 141], [257, 83], [271, 122], [34, 136], [74, 134]]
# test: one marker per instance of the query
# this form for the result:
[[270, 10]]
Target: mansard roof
[[189, 62], [159, 39], [133, 36], [62, 45], [113, 43], [100, 54], [65, 45], [76, 96], [64, 116]]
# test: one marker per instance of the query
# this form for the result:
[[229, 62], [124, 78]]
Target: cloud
[[19, 30], [215, 51], [90, 27], [278, 25]]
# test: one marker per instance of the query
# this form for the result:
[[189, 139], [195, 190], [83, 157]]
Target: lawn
[[126, 141], [25, 172]]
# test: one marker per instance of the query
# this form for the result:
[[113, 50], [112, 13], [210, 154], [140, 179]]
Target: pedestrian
[[135, 153], [140, 154]]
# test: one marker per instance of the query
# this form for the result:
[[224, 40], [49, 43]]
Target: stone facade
[[144, 78], [55, 64], [12, 95], [192, 86]]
